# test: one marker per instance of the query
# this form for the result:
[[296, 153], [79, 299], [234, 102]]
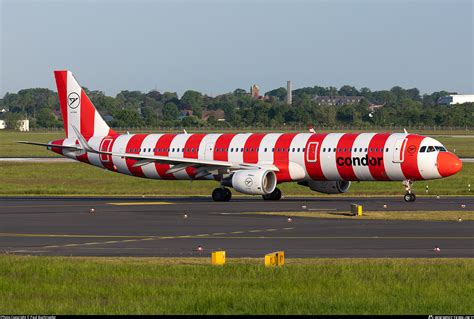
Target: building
[[337, 100], [218, 114], [456, 99], [289, 98], [255, 91], [23, 125]]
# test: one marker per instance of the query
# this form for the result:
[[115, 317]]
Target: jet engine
[[327, 187], [252, 182]]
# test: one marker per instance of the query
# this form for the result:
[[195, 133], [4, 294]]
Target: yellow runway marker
[[140, 203]]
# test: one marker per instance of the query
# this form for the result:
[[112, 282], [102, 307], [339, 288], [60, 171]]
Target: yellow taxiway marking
[[69, 236], [138, 238], [42, 206], [140, 203]]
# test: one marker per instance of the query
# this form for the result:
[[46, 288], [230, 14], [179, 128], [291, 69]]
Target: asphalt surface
[[158, 227]]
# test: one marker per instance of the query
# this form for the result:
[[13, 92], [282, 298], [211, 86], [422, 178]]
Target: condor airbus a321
[[251, 163]]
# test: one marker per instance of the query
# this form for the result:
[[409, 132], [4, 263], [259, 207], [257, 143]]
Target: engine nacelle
[[252, 182], [328, 187]]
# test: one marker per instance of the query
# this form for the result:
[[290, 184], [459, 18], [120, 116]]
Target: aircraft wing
[[182, 163]]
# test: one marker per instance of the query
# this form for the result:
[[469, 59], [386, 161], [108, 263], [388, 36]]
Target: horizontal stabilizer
[[71, 147]]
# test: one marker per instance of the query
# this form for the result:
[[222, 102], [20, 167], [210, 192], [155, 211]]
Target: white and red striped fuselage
[[298, 156], [251, 163]]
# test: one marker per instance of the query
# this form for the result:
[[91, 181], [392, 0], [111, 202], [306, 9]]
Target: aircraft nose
[[448, 164]]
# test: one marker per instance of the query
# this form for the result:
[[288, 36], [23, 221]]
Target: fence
[[298, 128]]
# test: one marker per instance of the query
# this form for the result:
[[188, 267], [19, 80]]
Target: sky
[[217, 46]]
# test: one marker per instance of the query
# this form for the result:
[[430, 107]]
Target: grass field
[[465, 215], [62, 285], [83, 179], [8, 148]]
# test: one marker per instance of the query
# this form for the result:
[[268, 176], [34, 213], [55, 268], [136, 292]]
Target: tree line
[[399, 107]]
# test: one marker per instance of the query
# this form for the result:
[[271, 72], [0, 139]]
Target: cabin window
[[386, 150], [303, 149]]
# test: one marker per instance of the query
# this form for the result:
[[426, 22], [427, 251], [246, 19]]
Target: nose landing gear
[[409, 195]]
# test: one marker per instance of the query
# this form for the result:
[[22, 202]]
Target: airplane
[[251, 163]]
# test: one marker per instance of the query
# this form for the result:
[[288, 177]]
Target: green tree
[[46, 118], [170, 112]]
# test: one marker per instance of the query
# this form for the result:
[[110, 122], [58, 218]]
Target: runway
[[157, 227]]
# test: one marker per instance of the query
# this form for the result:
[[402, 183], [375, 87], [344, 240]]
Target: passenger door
[[312, 152], [399, 150]]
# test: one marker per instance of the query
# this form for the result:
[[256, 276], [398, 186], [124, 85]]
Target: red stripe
[[281, 156], [55, 149], [344, 150], [133, 147], [61, 84], [410, 163], [191, 151], [87, 116], [314, 168], [162, 147], [250, 148], [378, 143], [222, 143], [112, 132]]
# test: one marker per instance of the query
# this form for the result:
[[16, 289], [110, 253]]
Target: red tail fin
[[77, 110]]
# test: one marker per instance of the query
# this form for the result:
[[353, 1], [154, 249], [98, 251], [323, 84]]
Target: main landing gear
[[275, 195], [221, 194], [409, 195]]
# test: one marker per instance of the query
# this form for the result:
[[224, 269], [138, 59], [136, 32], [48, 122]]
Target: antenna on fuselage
[[405, 130], [184, 130]]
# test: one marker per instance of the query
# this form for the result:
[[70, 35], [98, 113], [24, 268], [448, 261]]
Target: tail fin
[[77, 110]]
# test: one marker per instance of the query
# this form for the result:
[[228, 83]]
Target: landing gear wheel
[[221, 195], [228, 194], [409, 197], [275, 195]]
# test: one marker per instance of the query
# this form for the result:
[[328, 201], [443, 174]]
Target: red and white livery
[[251, 163]]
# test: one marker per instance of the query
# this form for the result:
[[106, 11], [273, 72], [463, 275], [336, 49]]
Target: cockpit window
[[440, 148], [422, 149], [430, 149]]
